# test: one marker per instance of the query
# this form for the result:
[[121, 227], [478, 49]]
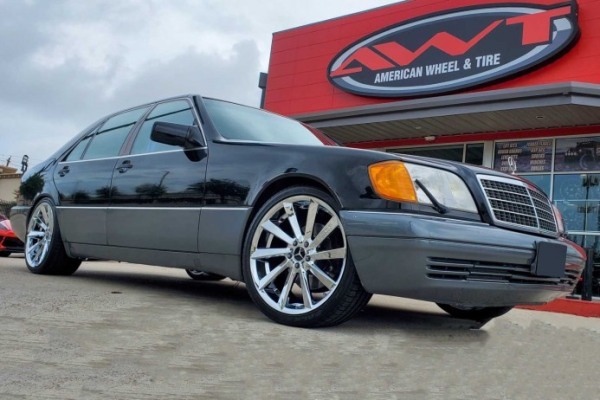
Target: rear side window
[[176, 112], [76, 153], [107, 142]]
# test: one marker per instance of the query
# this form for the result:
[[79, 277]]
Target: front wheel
[[44, 250], [296, 262], [474, 313]]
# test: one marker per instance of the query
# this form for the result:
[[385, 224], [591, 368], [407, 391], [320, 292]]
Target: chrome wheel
[[39, 234], [298, 254]]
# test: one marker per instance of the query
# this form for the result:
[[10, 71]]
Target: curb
[[590, 309]]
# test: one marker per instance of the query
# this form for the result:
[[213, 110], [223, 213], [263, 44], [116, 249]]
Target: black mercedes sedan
[[312, 228]]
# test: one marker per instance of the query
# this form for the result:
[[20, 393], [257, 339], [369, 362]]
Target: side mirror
[[186, 136]]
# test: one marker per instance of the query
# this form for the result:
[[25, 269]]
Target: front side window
[[237, 122], [107, 142], [175, 112]]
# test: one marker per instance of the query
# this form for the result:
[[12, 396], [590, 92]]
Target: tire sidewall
[[44, 265], [305, 319]]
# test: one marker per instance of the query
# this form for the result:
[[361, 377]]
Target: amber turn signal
[[392, 181]]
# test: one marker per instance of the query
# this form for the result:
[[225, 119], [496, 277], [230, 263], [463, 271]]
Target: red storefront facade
[[511, 86], [298, 83]]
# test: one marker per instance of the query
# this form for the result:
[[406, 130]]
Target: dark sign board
[[524, 156], [455, 50], [577, 154]]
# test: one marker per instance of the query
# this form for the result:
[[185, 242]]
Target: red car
[[9, 242]]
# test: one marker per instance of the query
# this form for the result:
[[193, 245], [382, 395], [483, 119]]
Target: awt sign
[[455, 50]]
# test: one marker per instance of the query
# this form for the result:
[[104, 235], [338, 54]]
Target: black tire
[[203, 276], [326, 303], [54, 259], [475, 313], [4, 253]]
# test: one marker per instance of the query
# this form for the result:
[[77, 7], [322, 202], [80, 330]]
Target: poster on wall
[[524, 156], [577, 154]]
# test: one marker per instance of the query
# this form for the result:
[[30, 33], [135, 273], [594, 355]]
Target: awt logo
[[455, 50]]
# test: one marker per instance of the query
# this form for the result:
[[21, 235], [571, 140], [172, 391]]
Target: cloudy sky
[[64, 64]]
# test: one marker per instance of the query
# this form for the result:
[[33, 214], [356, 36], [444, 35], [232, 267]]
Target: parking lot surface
[[124, 331]]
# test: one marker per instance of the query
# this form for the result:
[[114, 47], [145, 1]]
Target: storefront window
[[569, 197], [578, 197], [566, 174], [524, 156], [593, 242], [571, 175], [470, 153], [474, 154], [541, 181], [451, 153], [577, 154]]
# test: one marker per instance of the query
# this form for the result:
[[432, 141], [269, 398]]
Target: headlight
[[395, 180]]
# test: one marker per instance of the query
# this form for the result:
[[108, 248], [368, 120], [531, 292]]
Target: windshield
[[237, 122]]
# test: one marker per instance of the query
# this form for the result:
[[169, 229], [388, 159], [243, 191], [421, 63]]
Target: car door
[[83, 179], [158, 189]]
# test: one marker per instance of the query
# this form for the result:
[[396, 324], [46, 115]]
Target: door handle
[[65, 170], [124, 166]]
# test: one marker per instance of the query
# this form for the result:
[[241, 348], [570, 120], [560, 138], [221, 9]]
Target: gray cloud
[[206, 74], [64, 64]]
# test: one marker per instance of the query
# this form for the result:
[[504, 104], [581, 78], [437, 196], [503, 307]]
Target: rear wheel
[[4, 253], [203, 276], [474, 313], [44, 250], [296, 262]]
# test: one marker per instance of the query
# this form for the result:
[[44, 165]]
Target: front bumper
[[9, 242], [454, 262]]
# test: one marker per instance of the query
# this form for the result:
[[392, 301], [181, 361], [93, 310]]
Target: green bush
[[5, 207]]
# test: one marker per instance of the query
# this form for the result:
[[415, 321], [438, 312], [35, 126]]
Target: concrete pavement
[[123, 331]]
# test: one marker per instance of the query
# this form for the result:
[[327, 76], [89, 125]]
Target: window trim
[[134, 134], [90, 134], [124, 144], [121, 156], [125, 149]]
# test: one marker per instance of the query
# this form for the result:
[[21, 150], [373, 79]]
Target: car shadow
[[182, 287], [234, 298], [381, 316]]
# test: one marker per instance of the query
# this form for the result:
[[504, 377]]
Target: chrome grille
[[518, 205]]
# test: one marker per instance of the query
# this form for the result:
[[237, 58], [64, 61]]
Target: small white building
[[10, 180]]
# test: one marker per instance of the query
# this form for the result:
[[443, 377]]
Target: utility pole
[[24, 163]]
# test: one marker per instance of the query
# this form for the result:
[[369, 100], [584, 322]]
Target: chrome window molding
[[134, 155], [137, 208]]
